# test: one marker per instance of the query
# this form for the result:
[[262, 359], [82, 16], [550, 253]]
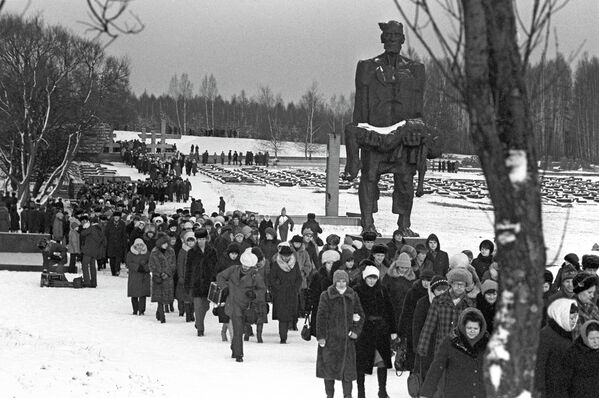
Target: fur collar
[[286, 266]]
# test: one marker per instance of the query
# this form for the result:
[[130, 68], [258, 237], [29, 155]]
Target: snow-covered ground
[[218, 144], [73, 343]]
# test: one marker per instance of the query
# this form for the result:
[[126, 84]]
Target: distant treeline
[[564, 102]]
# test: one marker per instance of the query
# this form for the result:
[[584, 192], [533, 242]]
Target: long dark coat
[[285, 289], [181, 294], [416, 292], [376, 333], [138, 280], [162, 291], [321, 280], [462, 365], [4, 219], [398, 289], [337, 359], [116, 239], [239, 284], [420, 312], [200, 270], [550, 374], [581, 366], [93, 241]]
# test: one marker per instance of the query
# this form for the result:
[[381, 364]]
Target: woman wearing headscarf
[[581, 363], [373, 347], [138, 279], [285, 282], [554, 341], [584, 286], [163, 265], [460, 359]]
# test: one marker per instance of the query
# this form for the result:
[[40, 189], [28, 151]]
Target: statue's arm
[[418, 72], [361, 98]]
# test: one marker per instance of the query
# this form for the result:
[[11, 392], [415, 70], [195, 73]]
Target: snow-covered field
[[73, 343], [218, 144]]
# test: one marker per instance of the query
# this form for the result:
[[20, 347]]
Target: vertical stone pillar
[[143, 135], [153, 142], [163, 127], [332, 187]]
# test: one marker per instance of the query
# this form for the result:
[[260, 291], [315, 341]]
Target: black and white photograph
[[275, 198]]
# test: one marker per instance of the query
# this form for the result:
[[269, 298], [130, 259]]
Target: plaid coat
[[441, 319]]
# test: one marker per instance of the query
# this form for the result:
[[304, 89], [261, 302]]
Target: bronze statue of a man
[[389, 92]]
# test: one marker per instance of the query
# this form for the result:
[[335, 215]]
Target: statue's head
[[392, 36]]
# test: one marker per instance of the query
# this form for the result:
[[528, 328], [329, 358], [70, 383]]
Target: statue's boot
[[352, 150]]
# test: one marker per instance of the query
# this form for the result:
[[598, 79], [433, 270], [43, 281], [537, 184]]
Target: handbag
[[306, 332], [415, 381], [250, 313], [400, 358]]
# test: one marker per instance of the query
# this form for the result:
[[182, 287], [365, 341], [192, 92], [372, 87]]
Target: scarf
[[395, 272], [286, 266]]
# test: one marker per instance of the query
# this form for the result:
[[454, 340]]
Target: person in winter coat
[[314, 226], [584, 286], [74, 246], [378, 258], [332, 243], [321, 280], [269, 244], [265, 224], [283, 224], [394, 245], [229, 257], [200, 271], [460, 358], [554, 341], [581, 363], [418, 290], [306, 268], [184, 301], [485, 257], [162, 265], [399, 280], [92, 248], [116, 238], [57, 227], [15, 224], [348, 264], [340, 319], [4, 218], [149, 236], [571, 261], [436, 258], [438, 286], [247, 290], [363, 253], [285, 282], [460, 260], [445, 311], [486, 301], [138, 278], [373, 347]]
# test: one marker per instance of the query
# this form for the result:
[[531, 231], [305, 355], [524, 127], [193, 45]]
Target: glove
[[250, 294], [322, 342]]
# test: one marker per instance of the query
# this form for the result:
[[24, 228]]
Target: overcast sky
[[285, 44]]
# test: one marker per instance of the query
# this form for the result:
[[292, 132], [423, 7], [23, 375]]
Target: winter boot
[[360, 383], [171, 307], [381, 375], [259, 328], [189, 317]]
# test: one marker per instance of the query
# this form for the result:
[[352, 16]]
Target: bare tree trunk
[[501, 131]]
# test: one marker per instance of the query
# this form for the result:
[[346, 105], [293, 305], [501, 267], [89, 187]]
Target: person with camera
[[162, 264], [245, 302], [54, 254]]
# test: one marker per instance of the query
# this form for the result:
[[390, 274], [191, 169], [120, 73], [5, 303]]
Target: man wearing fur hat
[[245, 285], [389, 90], [368, 239], [200, 271], [116, 240], [445, 310]]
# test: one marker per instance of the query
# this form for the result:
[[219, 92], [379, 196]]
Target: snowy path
[[74, 343]]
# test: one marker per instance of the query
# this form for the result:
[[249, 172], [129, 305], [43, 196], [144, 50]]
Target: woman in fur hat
[[163, 265], [399, 280], [460, 359], [285, 281], [340, 321], [581, 363], [584, 286], [321, 281], [138, 279]]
